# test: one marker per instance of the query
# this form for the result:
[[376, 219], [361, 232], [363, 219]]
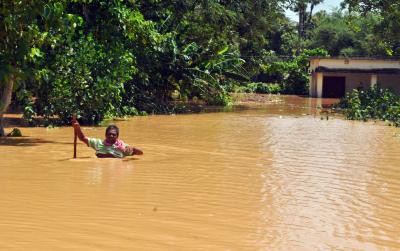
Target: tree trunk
[[302, 12], [5, 100]]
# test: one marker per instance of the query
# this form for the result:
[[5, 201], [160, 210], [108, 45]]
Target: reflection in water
[[262, 177], [95, 175]]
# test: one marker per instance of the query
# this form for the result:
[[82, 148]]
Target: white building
[[333, 77]]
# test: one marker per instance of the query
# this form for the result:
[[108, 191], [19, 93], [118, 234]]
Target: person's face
[[111, 136]]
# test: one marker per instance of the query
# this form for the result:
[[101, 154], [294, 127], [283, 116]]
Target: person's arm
[[79, 132], [134, 150]]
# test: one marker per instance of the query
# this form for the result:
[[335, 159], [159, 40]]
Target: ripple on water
[[263, 178]]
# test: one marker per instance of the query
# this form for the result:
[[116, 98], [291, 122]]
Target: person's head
[[112, 133]]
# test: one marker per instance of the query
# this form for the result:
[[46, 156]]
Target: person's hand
[[127, 150], [133, 151], [75, 123], [73, 120], [77, 130], [76, 126]]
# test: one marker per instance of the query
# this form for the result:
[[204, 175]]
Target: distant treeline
[[111, 58]]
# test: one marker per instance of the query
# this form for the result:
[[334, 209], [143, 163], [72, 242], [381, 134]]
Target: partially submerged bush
[[15, 133], [372, 103], [263, 88]]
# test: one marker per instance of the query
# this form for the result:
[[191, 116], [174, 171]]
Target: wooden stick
[[75, 135]]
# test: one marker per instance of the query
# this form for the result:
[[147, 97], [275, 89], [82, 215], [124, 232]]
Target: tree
[[25, 26], [305, 17], [85, 72], [389, 27], [347, 34], [101, 58]]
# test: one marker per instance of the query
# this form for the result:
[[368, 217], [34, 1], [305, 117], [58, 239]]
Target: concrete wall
[[390, 81], [353, 63], [353, 80], [313, 85]]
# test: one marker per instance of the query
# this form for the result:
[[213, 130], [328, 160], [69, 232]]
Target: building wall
[[390, 81], [356, 80], [313, 85], [353, 80]]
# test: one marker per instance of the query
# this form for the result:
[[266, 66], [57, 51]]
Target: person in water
[[111, 147]]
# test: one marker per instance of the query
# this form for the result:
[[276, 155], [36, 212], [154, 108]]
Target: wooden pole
[[75, 135]]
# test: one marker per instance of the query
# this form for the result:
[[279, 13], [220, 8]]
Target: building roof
[[358, 58], [358, 70]]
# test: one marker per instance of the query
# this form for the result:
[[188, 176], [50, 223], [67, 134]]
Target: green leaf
[[225, 49]]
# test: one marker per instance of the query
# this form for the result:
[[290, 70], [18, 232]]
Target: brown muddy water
[[261, 177]]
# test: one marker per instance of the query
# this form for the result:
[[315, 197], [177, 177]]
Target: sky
[[327, 5]]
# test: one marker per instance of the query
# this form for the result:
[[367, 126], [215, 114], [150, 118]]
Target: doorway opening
[[333, 87]]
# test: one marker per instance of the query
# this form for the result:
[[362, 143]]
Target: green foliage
[[305, 15], [263, 88], [373, 103], [102, 58], [343, 34], [292, 75], [85, 78], [24, 100], [15, 133], [388, 25]]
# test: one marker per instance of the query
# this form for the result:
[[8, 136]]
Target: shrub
[[373, 103], [263, 88], [86, 78], [292, 74], [15, 133]]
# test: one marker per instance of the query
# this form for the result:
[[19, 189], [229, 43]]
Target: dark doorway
[[333, 87]]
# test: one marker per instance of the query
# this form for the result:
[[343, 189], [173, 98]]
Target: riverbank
[[256, 98]]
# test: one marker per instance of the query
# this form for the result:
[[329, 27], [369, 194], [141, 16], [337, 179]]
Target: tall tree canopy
[[343, 34], [305, 9], [26, 27], [389, 11]]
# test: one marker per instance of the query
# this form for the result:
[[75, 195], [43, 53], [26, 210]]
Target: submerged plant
[[15, 133], [372, 103]]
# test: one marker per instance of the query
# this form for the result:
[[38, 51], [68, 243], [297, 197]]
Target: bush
[[263, 88], [373, 103], [293, 74], [15, 133], [87, 79]]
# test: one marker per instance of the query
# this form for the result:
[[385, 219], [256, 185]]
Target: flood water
[[262, 177]]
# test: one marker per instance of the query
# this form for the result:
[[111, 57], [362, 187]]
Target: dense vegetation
[[101, 58], [374, 103]]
